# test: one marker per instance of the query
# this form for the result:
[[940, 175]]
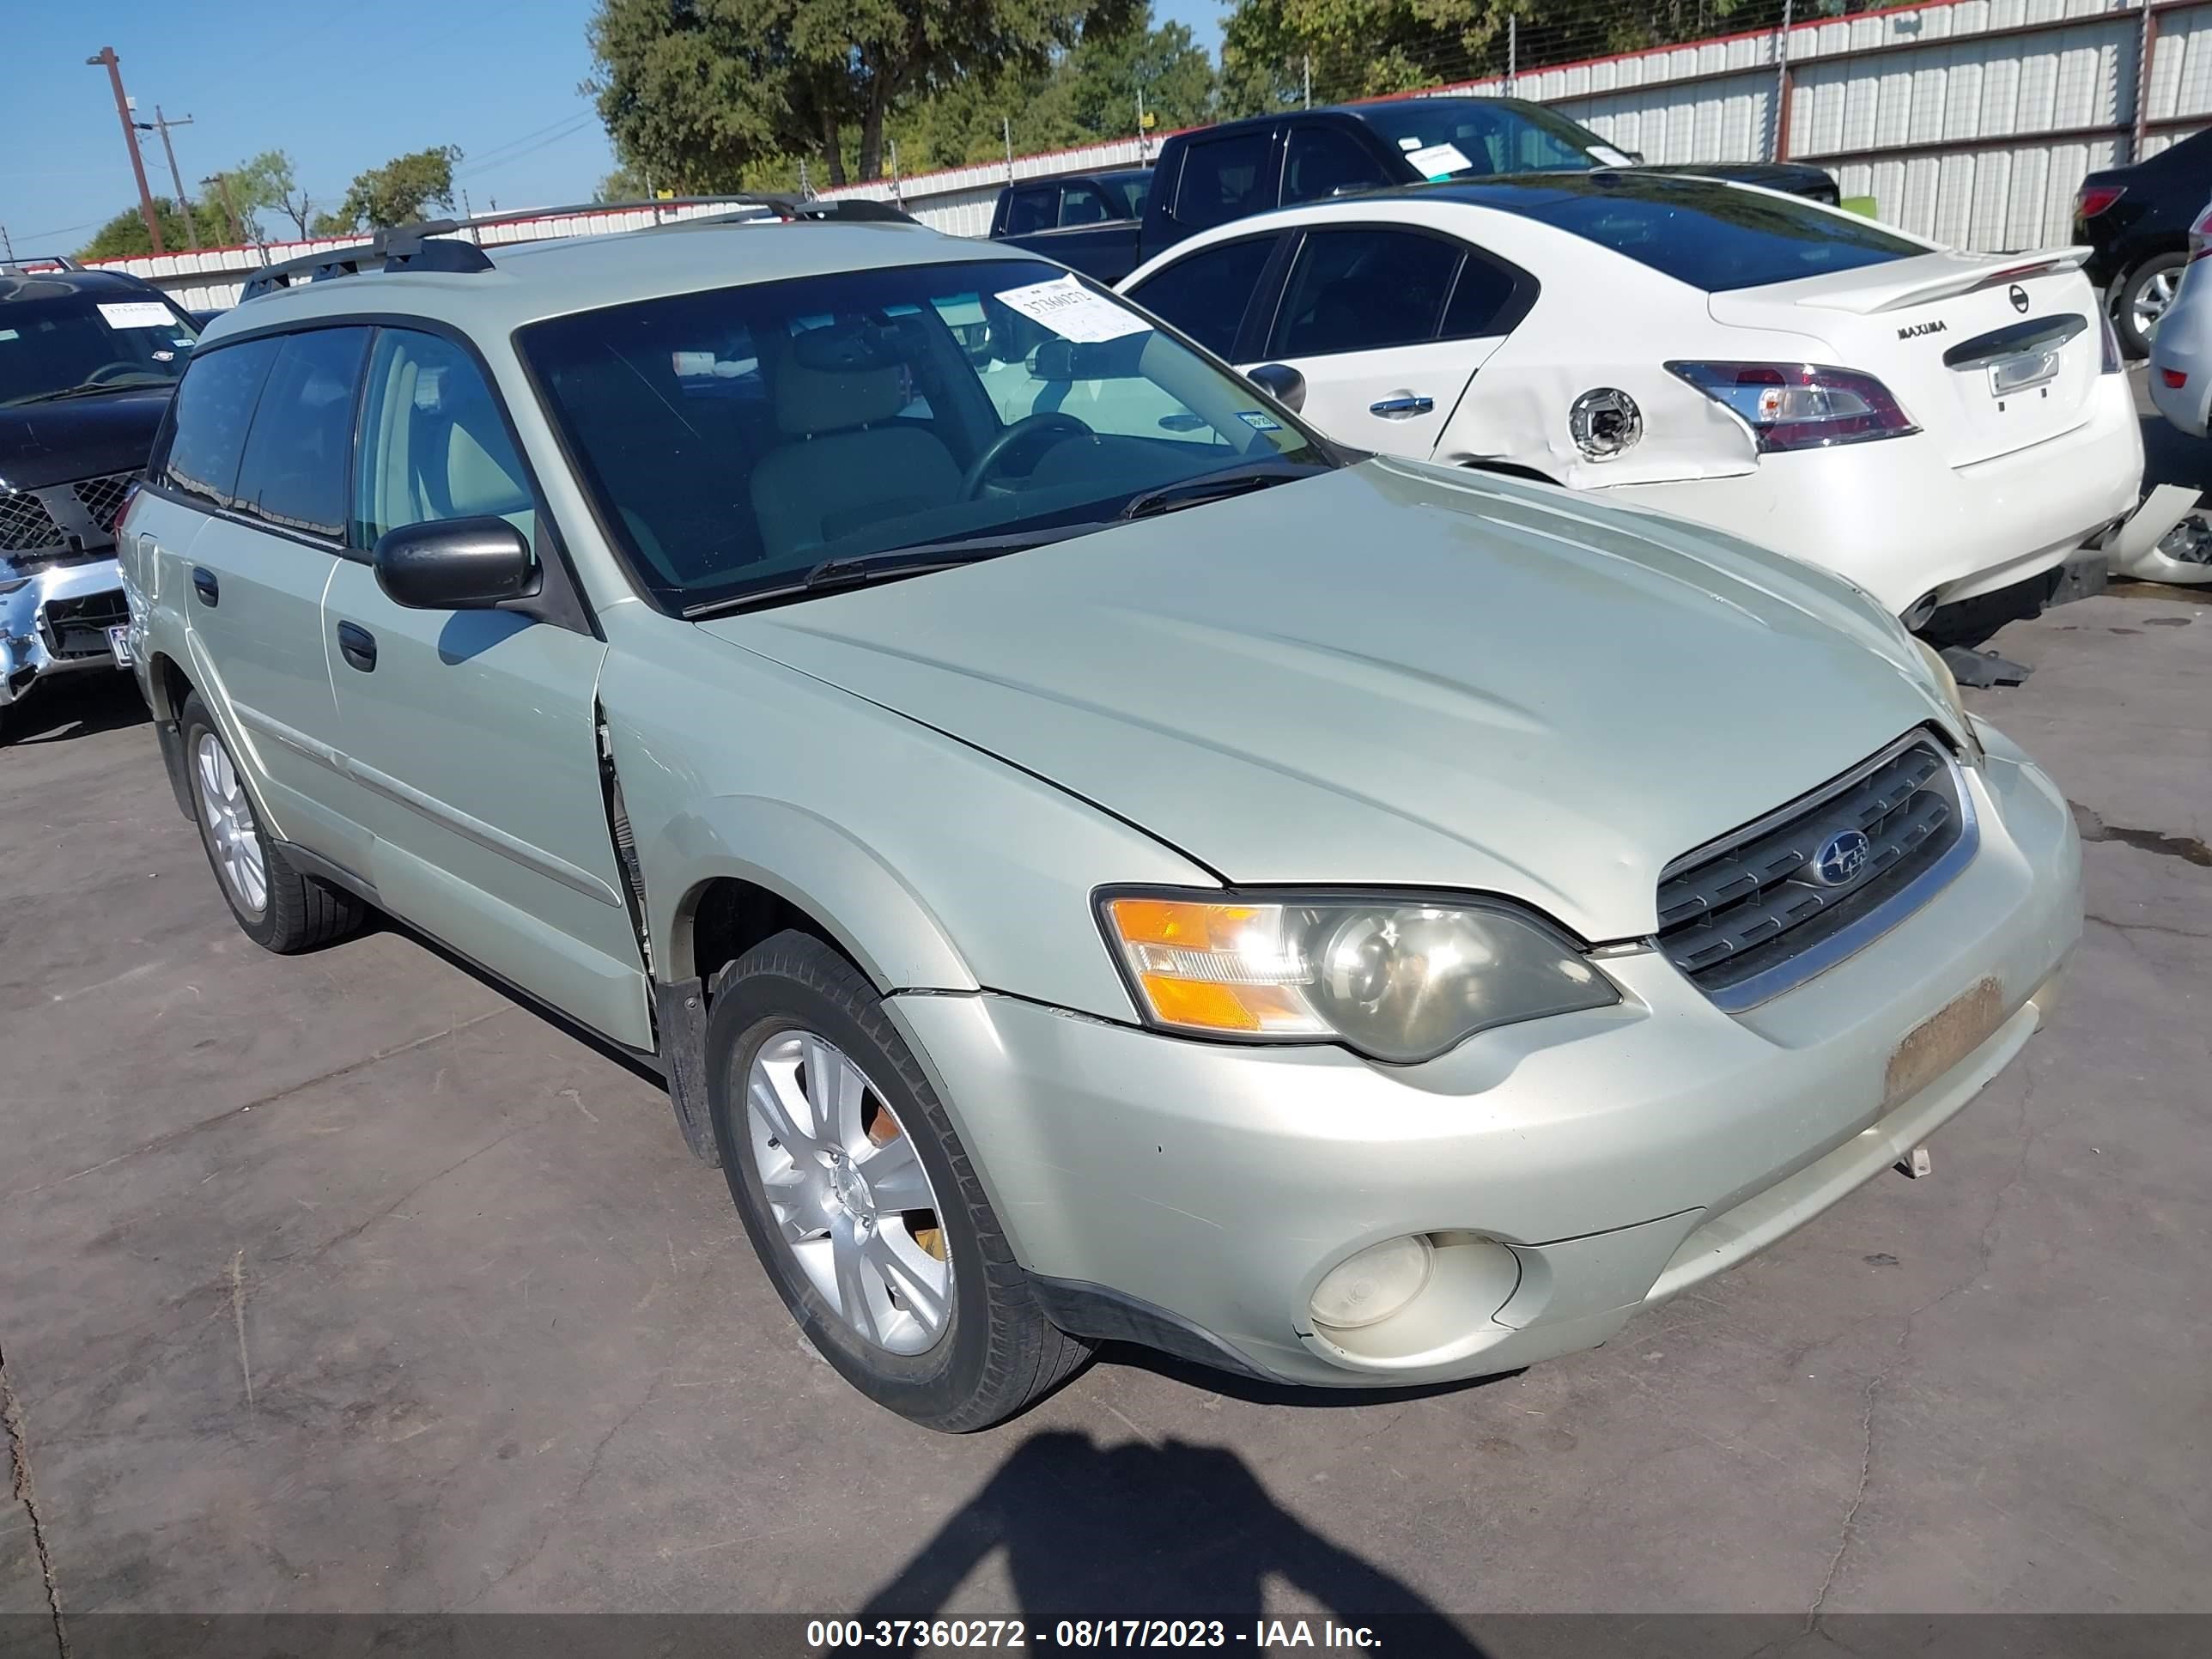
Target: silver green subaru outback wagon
[[1090, 858]]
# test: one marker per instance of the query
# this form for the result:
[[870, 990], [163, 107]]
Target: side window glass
[[1223, 178], [297, 455], [1362, 289], [1031, 210], [1324, 161], [433, 445], [1084, 204], [1479, 300], [209, 419], [1205, 295]]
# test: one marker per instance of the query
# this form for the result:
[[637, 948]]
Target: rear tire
[[2143, 297], [957, 1345], [275, 906]]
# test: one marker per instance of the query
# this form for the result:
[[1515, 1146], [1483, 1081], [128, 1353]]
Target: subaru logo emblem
[[1841, 857], [2019, 297]]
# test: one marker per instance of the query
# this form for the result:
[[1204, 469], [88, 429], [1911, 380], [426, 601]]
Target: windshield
[[1480, 137], [75, 342], [736, 439]]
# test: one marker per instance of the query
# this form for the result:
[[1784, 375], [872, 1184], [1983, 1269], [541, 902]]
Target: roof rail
[[819, 208], [430, 246], [21, 265]]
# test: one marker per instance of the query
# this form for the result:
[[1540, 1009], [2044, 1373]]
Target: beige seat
[[844, 462]]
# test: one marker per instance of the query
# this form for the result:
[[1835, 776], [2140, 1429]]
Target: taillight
[[2175, 379], [2111, 362], [2093, 199], [2200, 235], [1800, 405]]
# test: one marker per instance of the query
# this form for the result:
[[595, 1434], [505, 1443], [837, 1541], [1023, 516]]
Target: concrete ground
[[346, 1283]]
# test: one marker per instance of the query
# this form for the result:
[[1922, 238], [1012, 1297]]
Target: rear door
[[1987, 357], [474, 732], [1388, 323], [262, 443]]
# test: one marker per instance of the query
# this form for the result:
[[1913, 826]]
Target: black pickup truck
[[1105, 225]]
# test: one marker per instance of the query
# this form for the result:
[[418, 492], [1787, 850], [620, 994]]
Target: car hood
[[43, 444], [1390, 674]]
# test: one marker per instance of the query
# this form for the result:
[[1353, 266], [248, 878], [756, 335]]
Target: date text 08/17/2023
[[827, 1635]]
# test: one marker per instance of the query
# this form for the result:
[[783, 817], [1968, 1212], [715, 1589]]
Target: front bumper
[[1903, 524], [1620, 1156], [56, 621]]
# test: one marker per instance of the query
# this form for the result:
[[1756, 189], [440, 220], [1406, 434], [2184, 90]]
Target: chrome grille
[[102, 498], [26, 526], [1753, 914]]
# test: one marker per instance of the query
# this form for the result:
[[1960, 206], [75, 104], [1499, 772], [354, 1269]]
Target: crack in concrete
[[2145, 927], [27, 1494]]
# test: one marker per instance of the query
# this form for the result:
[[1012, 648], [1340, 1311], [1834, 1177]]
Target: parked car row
[[1092, 855]]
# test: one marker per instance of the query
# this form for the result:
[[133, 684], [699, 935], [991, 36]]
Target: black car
[[2136, 219], [88, 361], [1212, 174]]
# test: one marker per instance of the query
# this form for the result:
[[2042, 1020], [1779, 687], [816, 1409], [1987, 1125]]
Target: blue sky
[[339, 88]]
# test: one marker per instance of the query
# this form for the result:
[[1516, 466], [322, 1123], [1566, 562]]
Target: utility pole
[[898, 200], [1006, 126], [105, 58], [1309, 64], [231, 228], [161, 123], [1140, 120], [7, 247]]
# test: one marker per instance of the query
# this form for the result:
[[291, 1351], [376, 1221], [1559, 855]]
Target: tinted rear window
[[212, 410], [300, 447], [1711, 235]]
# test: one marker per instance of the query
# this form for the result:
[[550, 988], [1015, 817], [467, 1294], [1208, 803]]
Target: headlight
[[1947, 684], [1397, 979]]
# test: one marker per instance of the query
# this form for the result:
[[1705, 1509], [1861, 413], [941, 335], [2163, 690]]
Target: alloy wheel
[[849, 1196], [229, 817], [2153, 298]]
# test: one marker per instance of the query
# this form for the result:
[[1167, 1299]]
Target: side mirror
[[455, 564], [1282, 383], [1635, 157]]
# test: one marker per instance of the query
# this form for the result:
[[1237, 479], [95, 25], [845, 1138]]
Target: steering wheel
[[1030, 426], [107, 371]]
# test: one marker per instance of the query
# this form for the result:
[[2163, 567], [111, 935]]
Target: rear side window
[[1224, 179], [1363, 289], [1084, 204], [1031, 210], [1323, 162], [1716, 237], [213, 410], [302, 444], [1205, 295], [1483, 301]]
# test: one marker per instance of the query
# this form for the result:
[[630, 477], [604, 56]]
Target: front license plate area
[[118, 645], [1943, 1039]]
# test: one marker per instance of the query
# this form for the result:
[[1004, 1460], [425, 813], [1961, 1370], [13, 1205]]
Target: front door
[[474, 732]]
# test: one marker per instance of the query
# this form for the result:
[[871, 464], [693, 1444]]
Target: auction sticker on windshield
[[1437, 160], [139, 313], [1072, 310]]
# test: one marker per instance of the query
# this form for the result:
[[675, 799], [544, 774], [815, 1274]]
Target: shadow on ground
[[56, 713], [1170, 1528]]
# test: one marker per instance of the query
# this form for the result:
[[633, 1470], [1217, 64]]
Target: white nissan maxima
[[1934, 425]]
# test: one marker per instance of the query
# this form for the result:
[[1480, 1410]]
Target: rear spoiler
[[1953, 274]]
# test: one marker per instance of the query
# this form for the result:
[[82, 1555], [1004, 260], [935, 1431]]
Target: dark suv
[[2137, 221], [88, 361]]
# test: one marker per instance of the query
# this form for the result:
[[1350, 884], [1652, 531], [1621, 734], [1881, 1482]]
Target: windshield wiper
[[860, 569], [88, 391], [1215, 486]]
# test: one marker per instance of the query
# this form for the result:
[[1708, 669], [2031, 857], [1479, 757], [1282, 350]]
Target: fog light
[[1373, 1285]]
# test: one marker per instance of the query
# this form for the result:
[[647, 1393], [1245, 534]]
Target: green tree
[[400, 193], [702, 90], [124, 236]]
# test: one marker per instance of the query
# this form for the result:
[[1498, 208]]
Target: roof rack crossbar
[[19, 265], [426, 246]]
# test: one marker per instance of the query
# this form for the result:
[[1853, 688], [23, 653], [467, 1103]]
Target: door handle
[[1401, 409], [357, 645], [205, 585]]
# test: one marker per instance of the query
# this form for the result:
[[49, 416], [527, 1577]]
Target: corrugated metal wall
[[1969, 121]]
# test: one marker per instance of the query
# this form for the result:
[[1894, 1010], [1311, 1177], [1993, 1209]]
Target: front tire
[[2144, 297], [275, 906], [861, 1203]]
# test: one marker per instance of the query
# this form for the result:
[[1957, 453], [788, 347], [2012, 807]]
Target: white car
[[1933, 425]]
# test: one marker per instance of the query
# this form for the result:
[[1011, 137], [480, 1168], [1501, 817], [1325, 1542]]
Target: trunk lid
[[1987, 353]]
